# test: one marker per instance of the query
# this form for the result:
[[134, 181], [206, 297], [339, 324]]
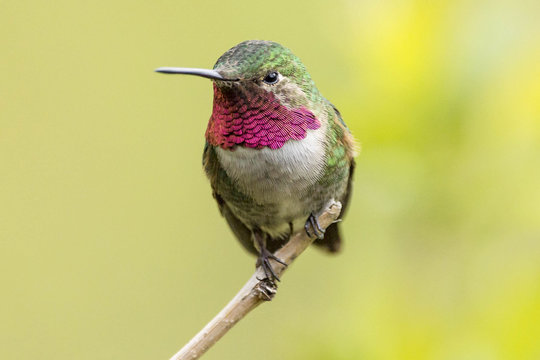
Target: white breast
[[277, 176]]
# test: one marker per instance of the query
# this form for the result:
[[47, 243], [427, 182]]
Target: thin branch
[[253, 293]]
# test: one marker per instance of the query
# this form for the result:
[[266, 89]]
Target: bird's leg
[[265, 256], [291, 229], [312, 223]]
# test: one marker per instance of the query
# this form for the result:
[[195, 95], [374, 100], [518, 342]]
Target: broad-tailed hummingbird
[[277, 152]]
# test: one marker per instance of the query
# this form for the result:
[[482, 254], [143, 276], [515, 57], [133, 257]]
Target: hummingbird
[[277, 152]]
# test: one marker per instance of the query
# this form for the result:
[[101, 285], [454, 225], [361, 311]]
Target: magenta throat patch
[[255, 119]]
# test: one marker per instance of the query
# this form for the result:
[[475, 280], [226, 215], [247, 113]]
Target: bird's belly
[[278, 181]]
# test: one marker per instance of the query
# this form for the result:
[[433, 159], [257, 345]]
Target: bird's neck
[[255, 118]]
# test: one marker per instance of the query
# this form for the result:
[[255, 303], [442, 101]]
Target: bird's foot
[[264, 262], [313, 228]]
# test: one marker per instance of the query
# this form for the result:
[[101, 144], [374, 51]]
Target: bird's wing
[[332, 237], [218, 178]]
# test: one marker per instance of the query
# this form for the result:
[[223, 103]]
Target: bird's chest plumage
[[277, 179]]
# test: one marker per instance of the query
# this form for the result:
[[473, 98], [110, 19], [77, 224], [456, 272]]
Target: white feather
[[278, 177]]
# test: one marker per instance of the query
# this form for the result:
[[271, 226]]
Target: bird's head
[[263, 96]]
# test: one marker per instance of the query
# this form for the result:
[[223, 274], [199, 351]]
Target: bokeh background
[[111, 246]]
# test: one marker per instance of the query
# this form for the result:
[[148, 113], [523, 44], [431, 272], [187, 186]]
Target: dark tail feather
[[332, 239]]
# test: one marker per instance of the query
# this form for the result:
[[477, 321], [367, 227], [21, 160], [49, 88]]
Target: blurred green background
[[111, 246]]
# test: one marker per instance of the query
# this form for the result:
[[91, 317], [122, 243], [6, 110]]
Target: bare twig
[[253, 293]]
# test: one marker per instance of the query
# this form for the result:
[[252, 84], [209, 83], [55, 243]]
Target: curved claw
[[269, 270], [306, 228], [274, 257], [264, 259], [312, 223], [264, 262]]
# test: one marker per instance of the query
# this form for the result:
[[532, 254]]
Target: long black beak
[[206, 73]]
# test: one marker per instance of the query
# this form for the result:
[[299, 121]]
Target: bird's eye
[[271, 78]]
